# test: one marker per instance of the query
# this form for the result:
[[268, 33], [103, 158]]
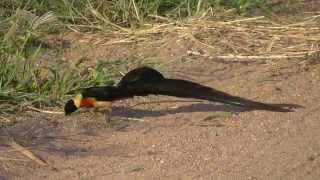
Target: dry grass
[[257, 38], [19, 148]]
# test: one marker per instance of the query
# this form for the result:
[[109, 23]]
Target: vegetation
[[25, 80], [125, 12]]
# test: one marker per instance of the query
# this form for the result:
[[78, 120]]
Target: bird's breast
[[92, 102], [88, 102]]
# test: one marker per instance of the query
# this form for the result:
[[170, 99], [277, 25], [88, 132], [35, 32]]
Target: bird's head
[[73, 104]]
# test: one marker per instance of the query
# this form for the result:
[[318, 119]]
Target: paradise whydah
[[144, 81]]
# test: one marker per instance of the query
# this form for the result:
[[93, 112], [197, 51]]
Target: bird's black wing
[[105, 93], [141, 75], [188, 89]]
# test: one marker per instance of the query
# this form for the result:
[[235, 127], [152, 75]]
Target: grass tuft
[[23, 78]]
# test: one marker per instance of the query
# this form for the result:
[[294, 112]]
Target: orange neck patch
[[88, 102]]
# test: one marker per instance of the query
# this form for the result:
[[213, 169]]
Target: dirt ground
[[179, 140]]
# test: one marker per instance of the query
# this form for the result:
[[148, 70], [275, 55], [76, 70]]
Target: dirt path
[[184, 140]]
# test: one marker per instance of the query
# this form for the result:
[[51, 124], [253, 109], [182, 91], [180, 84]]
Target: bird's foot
[[107, 117]]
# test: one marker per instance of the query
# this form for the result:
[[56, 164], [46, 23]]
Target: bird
[[144, 81]]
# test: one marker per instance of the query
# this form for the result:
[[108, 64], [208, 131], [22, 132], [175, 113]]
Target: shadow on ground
[[199, 107]]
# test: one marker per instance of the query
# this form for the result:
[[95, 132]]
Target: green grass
[[126, 13], [24, 80], [24, 84]]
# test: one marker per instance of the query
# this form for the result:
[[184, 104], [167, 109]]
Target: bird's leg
[[106, 110], [108, 115]]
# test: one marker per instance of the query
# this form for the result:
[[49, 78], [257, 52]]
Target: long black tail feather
[[188, 89]]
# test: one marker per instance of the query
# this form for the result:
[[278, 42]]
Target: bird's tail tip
[[285, 107]]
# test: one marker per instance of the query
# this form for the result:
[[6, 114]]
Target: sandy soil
[[183, 140]]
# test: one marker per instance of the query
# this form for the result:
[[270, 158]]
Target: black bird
[[144, 81]]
